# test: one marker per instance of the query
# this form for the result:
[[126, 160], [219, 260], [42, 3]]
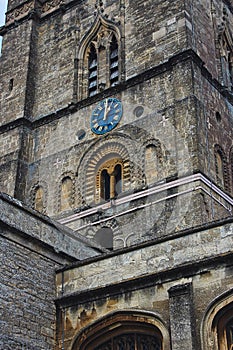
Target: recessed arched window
[[221, 168], [39, 199], [66, 193], [92, 71], [114, 62], [109, 179], [151, 164]]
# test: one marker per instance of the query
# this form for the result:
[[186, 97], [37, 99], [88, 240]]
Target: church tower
[[116, 117], [117, 122]]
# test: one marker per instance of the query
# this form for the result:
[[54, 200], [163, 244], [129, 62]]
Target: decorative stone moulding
[[19, 11], [51, 5], [29, 6]]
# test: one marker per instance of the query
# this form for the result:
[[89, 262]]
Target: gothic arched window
[[99, 63]]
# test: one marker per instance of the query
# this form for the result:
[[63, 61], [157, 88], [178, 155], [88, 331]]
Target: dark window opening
[[105, 185], [114, 62], [229, 332], [92, 71], [11, 84], [118, 179]]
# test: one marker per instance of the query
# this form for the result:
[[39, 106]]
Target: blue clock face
[[106, 116]]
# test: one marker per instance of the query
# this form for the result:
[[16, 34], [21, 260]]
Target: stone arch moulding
[[156, 144], [64, 176], [118, 321], [209, 326], [101, 151], [100, 24], [43, 186], [221, 174]]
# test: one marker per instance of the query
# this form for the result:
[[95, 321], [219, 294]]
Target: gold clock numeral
[[106, 127], [116, 105], [117, 111], [116, 117], [100, 128], [94, 121], [96, 125]]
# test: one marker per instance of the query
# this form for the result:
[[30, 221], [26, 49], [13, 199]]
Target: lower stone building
[[62, 291]]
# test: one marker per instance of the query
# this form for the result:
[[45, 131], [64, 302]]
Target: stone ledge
[[20, 220]]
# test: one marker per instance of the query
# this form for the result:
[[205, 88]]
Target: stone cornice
[[185, 271]]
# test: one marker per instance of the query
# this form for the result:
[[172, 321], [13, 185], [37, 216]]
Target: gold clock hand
[[105, 109]]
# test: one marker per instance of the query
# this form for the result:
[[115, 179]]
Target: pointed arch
[[124, 327], [100, 39], [217, 323]]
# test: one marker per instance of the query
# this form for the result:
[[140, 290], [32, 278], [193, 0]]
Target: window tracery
[[124, 330], [99, 59]]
